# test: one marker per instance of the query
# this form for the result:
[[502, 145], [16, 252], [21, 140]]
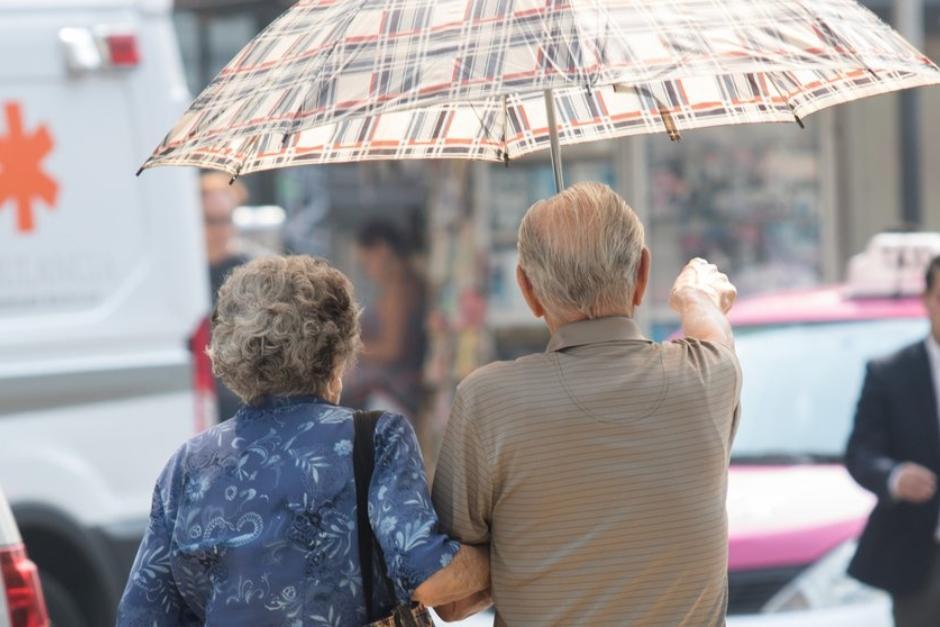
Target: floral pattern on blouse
[[254, 523]]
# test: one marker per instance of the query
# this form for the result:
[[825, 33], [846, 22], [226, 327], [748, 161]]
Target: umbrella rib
[[251, 145], [486, 126], [547, 37], [669, 122], [324, 59], [824, 25], [505, 111], [293, 124], [786, 99]]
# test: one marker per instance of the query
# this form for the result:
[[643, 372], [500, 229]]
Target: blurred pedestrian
[[220, 197], [894, 451], [256, 521], [598, 469], [394, 334]]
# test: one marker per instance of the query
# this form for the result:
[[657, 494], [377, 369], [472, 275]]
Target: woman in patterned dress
[[254, 520]]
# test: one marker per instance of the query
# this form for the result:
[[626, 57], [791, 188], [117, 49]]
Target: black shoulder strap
[[363, 464]]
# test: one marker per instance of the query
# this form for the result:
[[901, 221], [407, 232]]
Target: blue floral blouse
[[254, 523]]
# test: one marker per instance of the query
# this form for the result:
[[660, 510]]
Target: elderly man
[[597, 471]]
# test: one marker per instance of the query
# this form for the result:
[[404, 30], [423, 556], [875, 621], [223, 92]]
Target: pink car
[[794, 511]]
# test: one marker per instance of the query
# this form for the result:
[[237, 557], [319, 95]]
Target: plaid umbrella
[[353, 80]]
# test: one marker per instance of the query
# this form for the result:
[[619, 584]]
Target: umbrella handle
[[553, 137]]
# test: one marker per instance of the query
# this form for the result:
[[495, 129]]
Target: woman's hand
[[466, 575]]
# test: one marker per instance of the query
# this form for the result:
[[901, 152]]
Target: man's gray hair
[[581, 249]]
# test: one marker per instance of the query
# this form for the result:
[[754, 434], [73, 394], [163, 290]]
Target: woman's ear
[[528, 293], [334, 389], [642, 278]]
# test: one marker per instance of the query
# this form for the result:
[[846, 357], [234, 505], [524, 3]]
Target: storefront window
[[748, 199]]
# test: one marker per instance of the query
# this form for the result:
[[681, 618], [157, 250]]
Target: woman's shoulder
[[198, 452], [252, 423], [390, 430], [384, 420], [395, 441], [268, 433]]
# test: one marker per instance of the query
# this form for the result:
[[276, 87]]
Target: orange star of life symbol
[[22, 179]]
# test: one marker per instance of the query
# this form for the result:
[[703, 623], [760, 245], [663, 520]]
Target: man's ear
[[642, 278], [528, 293]]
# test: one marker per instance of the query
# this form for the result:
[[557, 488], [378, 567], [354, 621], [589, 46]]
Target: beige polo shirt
[[598, 472]]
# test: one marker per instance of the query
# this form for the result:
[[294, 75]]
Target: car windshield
[[801, 384]]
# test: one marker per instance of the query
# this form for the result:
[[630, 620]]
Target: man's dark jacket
[[896, 421]]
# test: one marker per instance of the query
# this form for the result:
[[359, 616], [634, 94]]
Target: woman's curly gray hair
[[282, 326]]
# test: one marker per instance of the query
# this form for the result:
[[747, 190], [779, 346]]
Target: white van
[[102, 288]]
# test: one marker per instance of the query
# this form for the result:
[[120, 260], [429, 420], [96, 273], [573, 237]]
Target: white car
[[103, 286], [21, 601]]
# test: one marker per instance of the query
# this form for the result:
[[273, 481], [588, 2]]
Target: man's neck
[[554, 323]]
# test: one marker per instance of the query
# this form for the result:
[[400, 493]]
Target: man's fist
[[702, 278], [913, 483]]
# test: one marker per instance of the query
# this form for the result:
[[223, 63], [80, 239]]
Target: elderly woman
[[254, 522]]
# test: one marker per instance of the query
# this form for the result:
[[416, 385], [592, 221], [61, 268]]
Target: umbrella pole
[[553, 137]]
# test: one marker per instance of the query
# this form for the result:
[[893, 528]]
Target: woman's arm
[[426, 565], [467, 574], [151, 596], [464, 608]]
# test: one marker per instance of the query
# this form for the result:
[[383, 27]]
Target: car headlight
[[824, 584]]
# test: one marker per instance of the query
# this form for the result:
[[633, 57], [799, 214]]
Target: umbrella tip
[[669, 123], [140, 171], [799, 121]]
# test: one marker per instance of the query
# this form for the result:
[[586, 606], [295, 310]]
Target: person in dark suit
[[894, 451]]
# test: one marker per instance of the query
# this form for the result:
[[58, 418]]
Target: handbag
[[370, 553]]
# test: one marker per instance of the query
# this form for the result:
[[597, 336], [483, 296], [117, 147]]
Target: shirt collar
[[582, 332], [272, 401]]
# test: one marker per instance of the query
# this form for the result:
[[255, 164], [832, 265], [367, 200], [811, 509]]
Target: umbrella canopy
[[353, 80]]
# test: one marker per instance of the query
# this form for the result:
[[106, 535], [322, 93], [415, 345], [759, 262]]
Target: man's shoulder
[[501, 375], [700, 354], [900, 361], [692, 343]]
